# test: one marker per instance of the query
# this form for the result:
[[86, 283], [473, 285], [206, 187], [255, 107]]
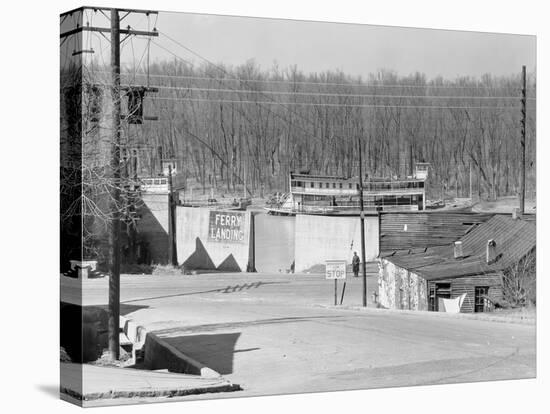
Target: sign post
[[335, 269]]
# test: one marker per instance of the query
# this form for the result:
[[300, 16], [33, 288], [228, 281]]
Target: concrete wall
[[196, 248], [321, 238], [400, 289], [274, 242], [152, 228]]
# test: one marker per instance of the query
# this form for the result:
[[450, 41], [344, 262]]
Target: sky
[[355, 49]]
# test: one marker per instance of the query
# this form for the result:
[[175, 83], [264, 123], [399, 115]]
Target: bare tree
[[519, 282]]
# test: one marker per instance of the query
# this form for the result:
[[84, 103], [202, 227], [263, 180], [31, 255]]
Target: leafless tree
[[519, 282]]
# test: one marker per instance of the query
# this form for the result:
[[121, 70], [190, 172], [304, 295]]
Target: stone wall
[[400, 289]]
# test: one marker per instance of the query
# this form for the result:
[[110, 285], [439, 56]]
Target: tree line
[[234, 125]]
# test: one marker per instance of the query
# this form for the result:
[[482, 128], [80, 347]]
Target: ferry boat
[[333, 195], [154, 185]]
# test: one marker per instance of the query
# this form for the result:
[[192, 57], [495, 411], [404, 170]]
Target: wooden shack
[[473, 268]]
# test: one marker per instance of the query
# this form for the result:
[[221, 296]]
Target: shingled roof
[[419, 230], [514, 238]]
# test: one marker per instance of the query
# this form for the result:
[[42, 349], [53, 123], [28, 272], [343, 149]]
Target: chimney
[[458, 250], [491, 251]]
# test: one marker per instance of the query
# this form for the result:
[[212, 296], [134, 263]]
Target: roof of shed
[[514, 239], [418, 230]]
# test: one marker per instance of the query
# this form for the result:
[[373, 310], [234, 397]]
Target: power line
[[275, 114], [305, 118], [267, 108], [332, 94], [331, 104], [292, 93], [173, 54], [321, 83]]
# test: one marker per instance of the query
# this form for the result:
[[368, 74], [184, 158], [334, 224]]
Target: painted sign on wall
[[227, 226]]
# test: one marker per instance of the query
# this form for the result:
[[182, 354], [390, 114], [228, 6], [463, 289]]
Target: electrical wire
[[275, 114], [321, 83], [331, 104], [305, 118], [267, 108], [333, 94]]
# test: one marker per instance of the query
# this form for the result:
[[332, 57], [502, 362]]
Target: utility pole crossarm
[[107, 9], [153, 33]]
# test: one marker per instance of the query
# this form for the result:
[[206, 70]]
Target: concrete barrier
[[161, 355], [320, 238], [274, 242], [135, 335], [153, 228], [210, 239]]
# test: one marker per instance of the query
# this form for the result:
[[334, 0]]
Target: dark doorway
[[482, 303], [438, 290]]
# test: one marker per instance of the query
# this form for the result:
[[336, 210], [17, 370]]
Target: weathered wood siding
[[468, 284], [399, 288]]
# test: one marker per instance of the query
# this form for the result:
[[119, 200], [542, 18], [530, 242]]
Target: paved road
[[269, 334]]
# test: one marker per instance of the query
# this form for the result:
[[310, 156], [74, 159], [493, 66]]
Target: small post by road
[[343, 291], [335, 292]]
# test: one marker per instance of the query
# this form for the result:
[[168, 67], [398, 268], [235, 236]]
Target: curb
[[174, 392], [159, 354], [135, 334], [503, 319]]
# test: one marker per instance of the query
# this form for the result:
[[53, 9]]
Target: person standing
[[355, 264]]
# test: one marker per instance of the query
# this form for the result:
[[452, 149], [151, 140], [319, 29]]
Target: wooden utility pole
[[114, 236], [362, 220], [470, 165], [115, 151], [411, 162], [172, 254], [522, 140], [244, 182]]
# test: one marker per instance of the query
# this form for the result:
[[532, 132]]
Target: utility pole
[[411, 166], [362, 219], [244, 182], [522, 140], [470, 165], [114, 239], [172, 254], [115, 148]]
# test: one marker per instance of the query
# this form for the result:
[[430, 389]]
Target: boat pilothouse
[[322, 194]]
